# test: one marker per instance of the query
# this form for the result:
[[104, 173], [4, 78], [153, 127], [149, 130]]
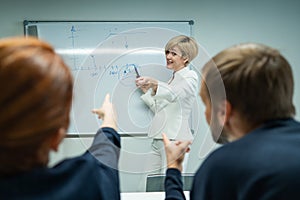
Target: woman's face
[[174, 59]]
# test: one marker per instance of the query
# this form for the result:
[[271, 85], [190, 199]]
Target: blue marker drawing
[[94, 62], [122, 71], [73, 31], [126, 43]]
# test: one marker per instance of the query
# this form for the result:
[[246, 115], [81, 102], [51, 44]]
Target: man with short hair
[[253, 118]]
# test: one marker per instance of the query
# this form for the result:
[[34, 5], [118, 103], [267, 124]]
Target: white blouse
[[172, 105]]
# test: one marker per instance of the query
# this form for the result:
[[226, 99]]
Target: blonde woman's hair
[[187, 45]]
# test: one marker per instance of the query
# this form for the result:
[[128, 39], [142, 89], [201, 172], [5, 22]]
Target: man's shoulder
[[218, 157], [256, 145], [227, 155]]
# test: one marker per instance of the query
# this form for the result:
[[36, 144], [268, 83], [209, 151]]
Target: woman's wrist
[[154, 86]]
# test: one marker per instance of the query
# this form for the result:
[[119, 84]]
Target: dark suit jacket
[[94, 175], [264, 164]]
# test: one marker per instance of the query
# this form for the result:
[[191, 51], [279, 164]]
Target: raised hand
[[175, 151], [107, 113]]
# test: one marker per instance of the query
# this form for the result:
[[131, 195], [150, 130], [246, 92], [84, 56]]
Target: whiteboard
[[102, 56]]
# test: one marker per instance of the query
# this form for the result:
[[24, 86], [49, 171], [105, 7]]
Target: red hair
[[35, 99]]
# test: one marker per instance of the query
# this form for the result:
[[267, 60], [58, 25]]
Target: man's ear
[[57, 139], [224, 113]]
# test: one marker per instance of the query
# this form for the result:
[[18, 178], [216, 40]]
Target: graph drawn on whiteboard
[[102, 59], [116, 76]]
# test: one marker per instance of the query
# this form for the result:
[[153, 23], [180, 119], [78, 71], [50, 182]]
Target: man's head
[[258, 84]]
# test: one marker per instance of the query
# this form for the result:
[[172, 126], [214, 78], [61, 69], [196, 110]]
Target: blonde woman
[[171, 102]]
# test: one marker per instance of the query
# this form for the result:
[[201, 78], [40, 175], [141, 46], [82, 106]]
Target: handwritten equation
[[115, 70], [118, 71]]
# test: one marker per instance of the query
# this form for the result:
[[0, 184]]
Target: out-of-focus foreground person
[[35, 100], [255, 116]]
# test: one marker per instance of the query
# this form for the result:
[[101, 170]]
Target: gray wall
[[218, 24]]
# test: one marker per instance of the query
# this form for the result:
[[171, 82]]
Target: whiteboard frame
[[26, 23], [30, 23]]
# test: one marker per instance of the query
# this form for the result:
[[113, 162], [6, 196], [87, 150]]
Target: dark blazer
[[94, 175], [264, 164]]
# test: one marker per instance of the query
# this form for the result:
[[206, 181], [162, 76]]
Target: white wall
[[218, 24]]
